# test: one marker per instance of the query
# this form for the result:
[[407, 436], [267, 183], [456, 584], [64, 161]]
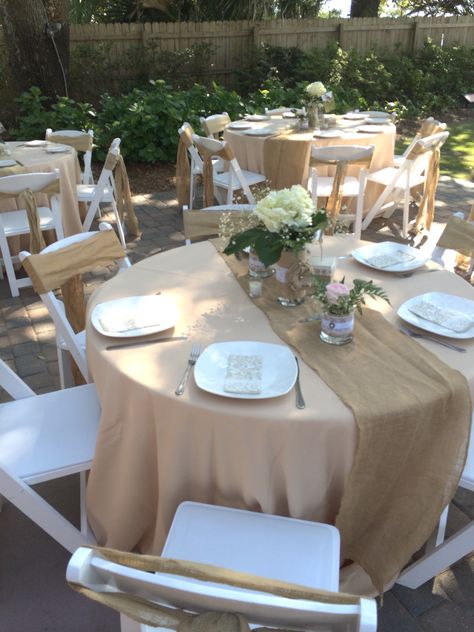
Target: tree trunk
[[365, 8], [32, 55]]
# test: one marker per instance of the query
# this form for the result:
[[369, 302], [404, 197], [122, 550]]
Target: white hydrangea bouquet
[[286, 220], [316, 93]]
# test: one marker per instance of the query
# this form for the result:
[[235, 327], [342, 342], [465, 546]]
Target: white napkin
[[449, 318], [244, 374], [122, 322], [393, 258]]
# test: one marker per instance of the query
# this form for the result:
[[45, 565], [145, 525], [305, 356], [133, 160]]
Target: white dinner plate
[[372, 129], [257, 117], [239, 125], [377, 120], [7, 163], [328, 133], [58, 149], [261, 131], [376, 114], [383, 256], [36, 143], [278, 373], [443, 301], [134, 316], [354, 116], [288, 115]]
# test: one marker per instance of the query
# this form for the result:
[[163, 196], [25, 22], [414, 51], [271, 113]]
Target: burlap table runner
[[148, 612], [286, 160], [413, 414]]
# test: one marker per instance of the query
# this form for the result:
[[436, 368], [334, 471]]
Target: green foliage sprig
[[338, 299]]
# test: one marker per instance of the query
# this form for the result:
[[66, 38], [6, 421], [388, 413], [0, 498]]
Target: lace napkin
[[394, 258], [120, 323], [449, 318], [244, 374]]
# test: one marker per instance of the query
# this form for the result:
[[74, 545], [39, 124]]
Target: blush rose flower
[[334, 291]]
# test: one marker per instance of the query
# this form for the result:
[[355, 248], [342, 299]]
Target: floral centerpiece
[[318, 100], [339, 302], [287, 220]]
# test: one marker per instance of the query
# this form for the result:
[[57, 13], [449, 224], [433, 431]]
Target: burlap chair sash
[[207, 154], [286, 159], [157, 615], [183, 169], [26, 199], [458, 235], [206, 223], [81, 142], [51, 270], [115, 162]]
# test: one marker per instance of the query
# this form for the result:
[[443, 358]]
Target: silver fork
[[415, 334], [193, 356]]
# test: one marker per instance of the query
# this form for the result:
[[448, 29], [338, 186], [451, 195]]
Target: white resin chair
[[215, 124], [441, 553], [102, 193], [428, 127], [74, 137], [350, 186], [15, 222], [42, 438], [399, 182], [67, 340], [234, 178], [272, 547]]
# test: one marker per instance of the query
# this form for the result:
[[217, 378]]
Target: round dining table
[[41, 156], [155, 449]]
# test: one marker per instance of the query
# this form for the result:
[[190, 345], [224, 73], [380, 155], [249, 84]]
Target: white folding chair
[[215, 124], [15, 222], [66, 339], [232, 180], [71, 137], [399, 182], [428, 127], [102, 193], [322, 186], [206, 221], [441, 553], [42, 438], [272, 547]]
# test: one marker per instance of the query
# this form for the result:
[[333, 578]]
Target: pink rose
[[335, 290]]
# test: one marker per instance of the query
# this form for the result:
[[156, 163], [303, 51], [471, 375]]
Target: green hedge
[[147, 119]]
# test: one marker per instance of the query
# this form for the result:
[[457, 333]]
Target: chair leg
[[7, 262], [119, 225], [66, 379], [406, 211]]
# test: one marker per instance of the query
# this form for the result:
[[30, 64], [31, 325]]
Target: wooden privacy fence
[[233, 42]]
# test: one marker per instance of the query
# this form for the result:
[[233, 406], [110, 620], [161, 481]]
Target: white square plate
[[329, 133], [36, 143], [387, 249], [262, 131], [279, 368], [160, 311], [376, 114], [257, 117], [58, 149], [377, 120], [373, 129], [444, 301], [239, 125]]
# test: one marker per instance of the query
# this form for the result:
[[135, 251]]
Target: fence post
[[414, 37], [254, 32], [340, 32]]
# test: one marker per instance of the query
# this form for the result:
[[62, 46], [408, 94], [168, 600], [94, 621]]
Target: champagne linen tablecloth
[[155, 450], [36, 159]]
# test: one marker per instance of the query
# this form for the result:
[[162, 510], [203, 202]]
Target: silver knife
[[136, 343], [300, 403]]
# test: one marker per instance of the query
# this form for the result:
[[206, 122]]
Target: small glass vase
[[286, 269], [257, 269], [315, 113], [335, 329]]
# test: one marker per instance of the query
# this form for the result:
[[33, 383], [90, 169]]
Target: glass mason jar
[[257, 269], [288, 295], [335, 329]]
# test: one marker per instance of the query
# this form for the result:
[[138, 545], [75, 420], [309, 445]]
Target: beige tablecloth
[[155, 450], [249, 150], [36, 159]]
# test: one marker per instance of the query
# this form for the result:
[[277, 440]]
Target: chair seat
[[16, 222], [222, 179], [40, 436], [86, 192], [385, 177], [324, 186]]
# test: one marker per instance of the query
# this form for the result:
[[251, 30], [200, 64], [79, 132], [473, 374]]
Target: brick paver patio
[[33, 593]]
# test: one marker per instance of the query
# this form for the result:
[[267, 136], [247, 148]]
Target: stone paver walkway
[[33, 593]]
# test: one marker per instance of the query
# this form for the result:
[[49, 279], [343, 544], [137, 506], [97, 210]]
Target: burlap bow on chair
[[183, 169], [80, 142], [207, 154], [26, 199], [157, 615], [114, 162]]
